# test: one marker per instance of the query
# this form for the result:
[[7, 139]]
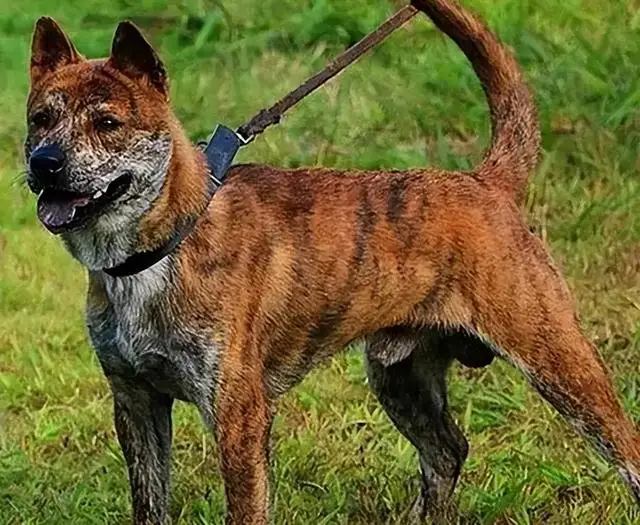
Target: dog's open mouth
[[62, 211]]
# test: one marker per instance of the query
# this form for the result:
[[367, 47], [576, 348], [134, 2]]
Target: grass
[[412, 102]]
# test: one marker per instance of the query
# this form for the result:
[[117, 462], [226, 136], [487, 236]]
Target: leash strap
[[272, 115], [225, 143]]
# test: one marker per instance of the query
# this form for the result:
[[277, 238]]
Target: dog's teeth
[[40, 194], [98, 194]]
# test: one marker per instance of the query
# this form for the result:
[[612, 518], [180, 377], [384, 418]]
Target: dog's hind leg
[[531, 321], [407, 371], [143, 426]]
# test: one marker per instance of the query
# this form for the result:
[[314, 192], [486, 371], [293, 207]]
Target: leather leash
[[268, 117], [225, 143]]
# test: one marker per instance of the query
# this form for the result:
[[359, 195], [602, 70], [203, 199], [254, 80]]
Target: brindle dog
[[287, 267]]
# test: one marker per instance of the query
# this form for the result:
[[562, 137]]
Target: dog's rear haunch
[[287, 267]]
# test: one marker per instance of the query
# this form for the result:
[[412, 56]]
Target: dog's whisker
[[19, 180]]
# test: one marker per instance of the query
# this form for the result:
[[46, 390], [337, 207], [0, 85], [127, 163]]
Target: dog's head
[[99, 140]]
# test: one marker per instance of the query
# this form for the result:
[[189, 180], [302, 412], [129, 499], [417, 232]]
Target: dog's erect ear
[[50, 49], [132, 55]]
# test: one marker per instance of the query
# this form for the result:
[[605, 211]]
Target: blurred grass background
[[412, 102]]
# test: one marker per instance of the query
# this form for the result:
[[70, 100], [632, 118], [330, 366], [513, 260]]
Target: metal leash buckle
[[221, 150]]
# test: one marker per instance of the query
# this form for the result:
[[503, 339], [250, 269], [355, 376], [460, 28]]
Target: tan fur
[[287, 267]]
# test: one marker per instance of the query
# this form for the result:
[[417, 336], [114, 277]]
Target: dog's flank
[[287, 267]]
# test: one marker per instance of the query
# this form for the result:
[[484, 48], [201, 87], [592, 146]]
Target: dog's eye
[[41, 119], [107, 123]]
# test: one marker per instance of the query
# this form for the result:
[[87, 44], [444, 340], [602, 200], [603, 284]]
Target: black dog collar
[[220, 151]]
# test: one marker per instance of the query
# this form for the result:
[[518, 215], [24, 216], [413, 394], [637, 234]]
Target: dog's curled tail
[[515, 147]]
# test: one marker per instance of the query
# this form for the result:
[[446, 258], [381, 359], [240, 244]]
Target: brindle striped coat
[[287, 267]]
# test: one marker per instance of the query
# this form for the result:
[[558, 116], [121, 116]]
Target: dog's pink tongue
[[56, 212]]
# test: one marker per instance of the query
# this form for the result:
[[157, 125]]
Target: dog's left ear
[[132, 55]]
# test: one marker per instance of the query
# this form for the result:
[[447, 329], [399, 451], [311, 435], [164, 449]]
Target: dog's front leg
[[243, 422], [143, 424]]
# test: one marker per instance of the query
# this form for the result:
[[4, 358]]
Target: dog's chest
[[140, 335]]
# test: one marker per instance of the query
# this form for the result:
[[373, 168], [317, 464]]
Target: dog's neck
[[184, 193], [181, 192]]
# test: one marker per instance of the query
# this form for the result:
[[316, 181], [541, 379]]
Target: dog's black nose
[[45, 164]]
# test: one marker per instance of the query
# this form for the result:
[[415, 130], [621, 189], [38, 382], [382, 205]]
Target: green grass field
[[413, 102]]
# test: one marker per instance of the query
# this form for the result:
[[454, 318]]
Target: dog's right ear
[[50, 49]]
